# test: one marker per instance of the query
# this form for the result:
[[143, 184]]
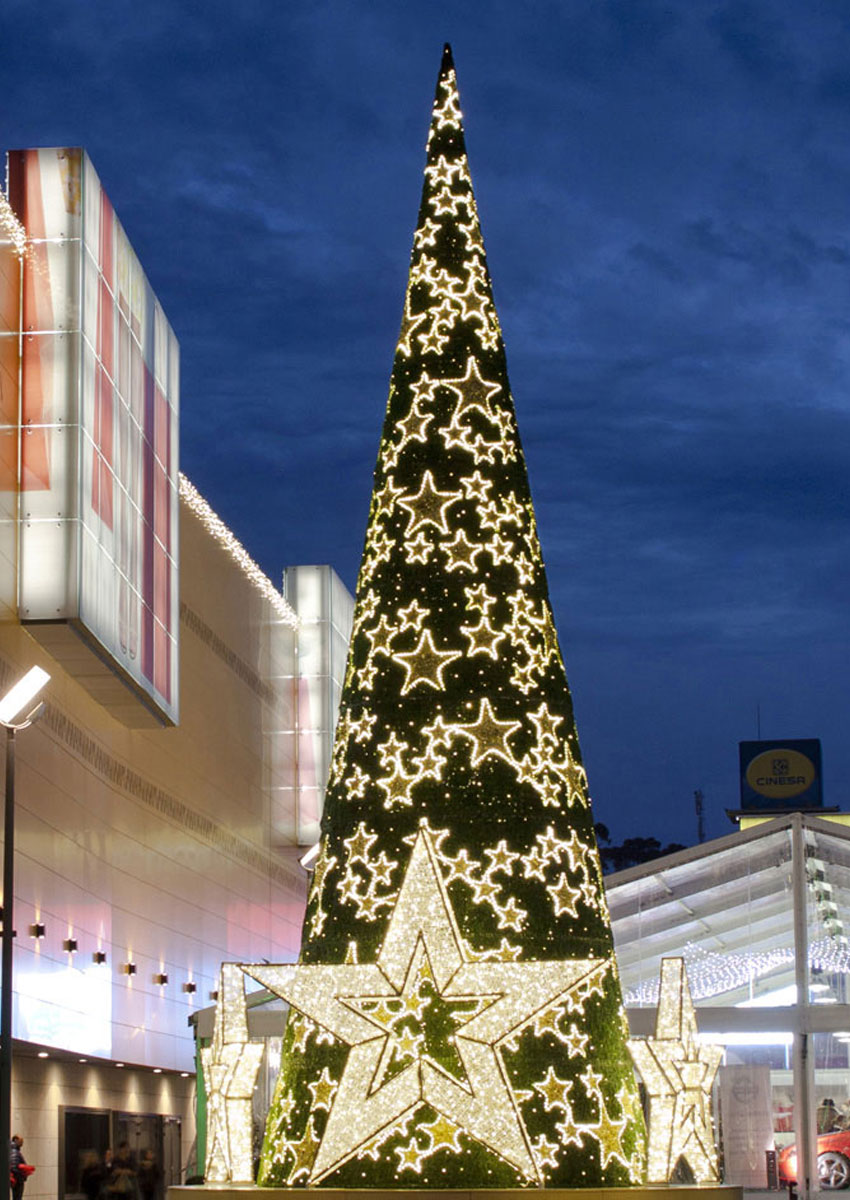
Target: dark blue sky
[[663, 190]]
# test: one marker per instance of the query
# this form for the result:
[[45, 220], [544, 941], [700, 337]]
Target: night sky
[[664, 191]]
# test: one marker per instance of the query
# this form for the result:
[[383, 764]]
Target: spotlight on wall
[[190, 986], [99, 956], [129, 968], [16, 707], [43, 1054], [161, 978], [70, 944], [38, 930], [214, 995]]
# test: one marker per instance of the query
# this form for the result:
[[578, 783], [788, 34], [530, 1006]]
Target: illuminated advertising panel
[[781, 775], [99, 445]]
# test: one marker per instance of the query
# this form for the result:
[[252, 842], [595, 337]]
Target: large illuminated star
[[483, 1004], [230, 1066], [678, 1072]]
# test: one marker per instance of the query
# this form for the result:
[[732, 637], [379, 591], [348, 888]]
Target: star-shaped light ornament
[[369, 1006], [678, 1072], [230, 1066]]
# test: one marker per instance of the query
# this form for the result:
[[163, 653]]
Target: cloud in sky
[[662, 191]]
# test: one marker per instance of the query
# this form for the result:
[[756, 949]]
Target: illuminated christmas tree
[[456, 1015]]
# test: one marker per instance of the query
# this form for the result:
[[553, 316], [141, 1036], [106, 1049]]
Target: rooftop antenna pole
[[698, 799]]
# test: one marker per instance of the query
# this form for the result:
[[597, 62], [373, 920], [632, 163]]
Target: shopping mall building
[[174, 779]]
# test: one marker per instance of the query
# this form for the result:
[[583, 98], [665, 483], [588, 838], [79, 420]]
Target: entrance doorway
[[109, 1155]]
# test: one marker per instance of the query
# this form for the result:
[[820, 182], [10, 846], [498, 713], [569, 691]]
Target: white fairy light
[[214, 525], [230, 1065], [678, 1071], [11, 227]]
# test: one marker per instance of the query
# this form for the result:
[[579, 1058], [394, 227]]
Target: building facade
[[175, 777]]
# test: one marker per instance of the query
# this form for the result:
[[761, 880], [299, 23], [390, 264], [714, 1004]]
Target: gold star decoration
[[564, 897], [678, 1072], [461, 554], [472, 391], [409, 324], [305, 1152], [359, 843], [490, 1000], [413, 616], [322, 1090], [428, 506], [554, 1091], [489, 735], [425, 664], [608, 1132]]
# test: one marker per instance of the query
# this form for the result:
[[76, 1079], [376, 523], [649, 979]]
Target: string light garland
[[678, 1072], [456, 1018], [214, 525], [11, 228], [230, 1066]]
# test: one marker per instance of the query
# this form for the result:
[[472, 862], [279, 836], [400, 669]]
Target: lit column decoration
[[678, 1072], [230, 1065], [455, 1017]]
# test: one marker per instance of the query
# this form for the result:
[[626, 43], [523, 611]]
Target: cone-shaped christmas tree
[[456, 1015]]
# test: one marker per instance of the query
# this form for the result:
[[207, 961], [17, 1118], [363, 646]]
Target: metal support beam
[[804, 1124]]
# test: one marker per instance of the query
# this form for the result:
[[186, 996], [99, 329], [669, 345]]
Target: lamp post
[[18, 709]]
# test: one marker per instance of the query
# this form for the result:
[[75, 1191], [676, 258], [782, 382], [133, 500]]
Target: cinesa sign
[[781, 774]]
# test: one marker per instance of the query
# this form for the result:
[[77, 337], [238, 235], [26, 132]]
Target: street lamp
[[18, 709]]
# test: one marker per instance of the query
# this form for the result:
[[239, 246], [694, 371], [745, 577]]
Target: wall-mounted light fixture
[[129, 968], [214, 995], [161, 978], [190, 986], [38, 930], [99, 956], [70, 944]]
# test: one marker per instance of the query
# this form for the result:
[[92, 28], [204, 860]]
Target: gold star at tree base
[[379, 1012]]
